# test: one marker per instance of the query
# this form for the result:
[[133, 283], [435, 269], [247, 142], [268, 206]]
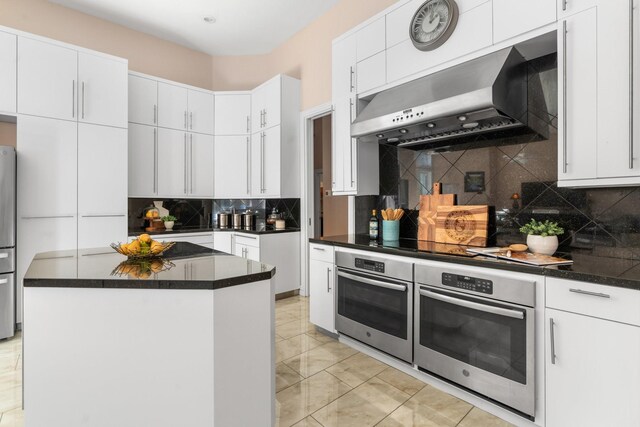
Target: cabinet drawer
[[321, 252], [248, 240], [606, 302]]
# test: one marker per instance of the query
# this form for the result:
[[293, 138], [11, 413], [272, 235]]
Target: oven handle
[[380, 284], [473, 305]]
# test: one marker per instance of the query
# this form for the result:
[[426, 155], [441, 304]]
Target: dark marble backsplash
[[189, 213], [494, 172], [290, 208]]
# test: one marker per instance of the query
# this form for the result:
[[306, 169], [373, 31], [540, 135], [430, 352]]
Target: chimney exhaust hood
[[487, 94]]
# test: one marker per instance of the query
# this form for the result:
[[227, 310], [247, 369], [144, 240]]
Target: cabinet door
[[172, 163], [569, 7], [201, 165], [514, 17], [343, 68], [102, 171], [258, 99], [143, 100], [48, 80], [321, 301], [265, 163], [8, 79], [616, 156], [47, 167], [371, 39], [272, 102], [98, 231], [172, 106], [232, 114], [223, 241], [231, 167], [102, 90], [343, 148], [590, 381], [143, 160], [578, 85], [252, 253], [372, 72], [201, 112]]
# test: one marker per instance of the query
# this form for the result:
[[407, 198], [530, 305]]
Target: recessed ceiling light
[[209, 19]]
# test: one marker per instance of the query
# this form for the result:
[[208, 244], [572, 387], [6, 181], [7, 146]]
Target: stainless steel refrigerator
[[7, 241]]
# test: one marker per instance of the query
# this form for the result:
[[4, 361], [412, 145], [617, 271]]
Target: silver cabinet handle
[[333, 148], [249, 237], [83, 100], [631, 30], [155, 113], [515, 314], [191, 120], [373, 282], [185, 163], [48, 217], [564, 96], [261, 113], [593, 294], [155, 160], [73, 98], [262, 162], [552, 339], [191, 162], [351, 143], [248, 124], [185, 119], [564, 4], [265, 117], [4, 255], [248, 166], [4, 281], [315, 248], [102, 216], [328, 279], [352, 73]]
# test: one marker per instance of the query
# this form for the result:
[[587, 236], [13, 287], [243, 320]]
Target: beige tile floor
[[319, 382]]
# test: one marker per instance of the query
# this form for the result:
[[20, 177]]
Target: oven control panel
[[365, 264], [469, 283]]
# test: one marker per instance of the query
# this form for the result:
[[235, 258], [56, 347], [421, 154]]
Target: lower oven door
[[377, 311], [484, 345]]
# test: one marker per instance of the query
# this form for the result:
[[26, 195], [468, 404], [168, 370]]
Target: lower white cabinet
[[321, 287], [246, 251], [202, 239], [8, 79], [223, 241]]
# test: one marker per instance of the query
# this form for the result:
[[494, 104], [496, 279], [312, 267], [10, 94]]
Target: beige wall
[[146, 54], [7, 133]]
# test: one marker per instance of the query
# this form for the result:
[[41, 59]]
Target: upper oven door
[[382, 304]]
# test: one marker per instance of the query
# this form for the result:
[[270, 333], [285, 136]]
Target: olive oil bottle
[[373, 226]]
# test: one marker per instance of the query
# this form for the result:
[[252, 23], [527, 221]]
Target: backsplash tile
[[593, 218], [261, 207], [189, 213]]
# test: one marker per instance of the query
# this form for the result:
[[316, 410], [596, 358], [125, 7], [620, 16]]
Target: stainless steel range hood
[[487, 94]]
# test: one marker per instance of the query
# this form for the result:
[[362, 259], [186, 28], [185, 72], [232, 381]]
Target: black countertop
[[606, 266], [265, 231], [193, 230], [184, 266]]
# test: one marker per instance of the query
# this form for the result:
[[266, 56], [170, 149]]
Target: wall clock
[[433, 23]]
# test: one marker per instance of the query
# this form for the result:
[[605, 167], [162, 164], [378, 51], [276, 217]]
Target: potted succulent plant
[[169, 221], [542, 237]]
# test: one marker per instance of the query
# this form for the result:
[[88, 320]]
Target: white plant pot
[[545, 245], [169, 225]]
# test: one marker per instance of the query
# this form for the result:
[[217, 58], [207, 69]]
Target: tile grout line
[[465, 415]]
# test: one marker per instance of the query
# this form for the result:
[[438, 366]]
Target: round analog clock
[[433, 23]]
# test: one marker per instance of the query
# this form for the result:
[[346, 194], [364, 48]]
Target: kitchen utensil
[[463, 225], [237, 221], [429, 210]]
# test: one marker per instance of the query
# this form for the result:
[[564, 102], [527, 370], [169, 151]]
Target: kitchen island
[[188, 340]]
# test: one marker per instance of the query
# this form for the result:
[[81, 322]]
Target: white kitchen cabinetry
[[265, 163], [274, 99], [172, 106], [202, 239], [354, 165], [371, 39], [143, 100], [232, 114], [596, 146], [321, 287], [232, 167], [172, 163], [200, 163], [143, 158], [102, 90], [593, 345], [61, 83], [201, 115], [247, 251], [102, 203], [223, 241], [8, 79], [514, 17], [569, 7], [371, 72]]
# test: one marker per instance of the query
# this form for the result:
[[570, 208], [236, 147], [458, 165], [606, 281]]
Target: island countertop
[[184, 266]]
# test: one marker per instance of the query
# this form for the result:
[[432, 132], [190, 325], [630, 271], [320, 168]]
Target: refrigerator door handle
[[4, 255]]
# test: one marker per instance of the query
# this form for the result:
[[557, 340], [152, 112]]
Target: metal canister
[[223, 220], [237, 221], [248, 220]]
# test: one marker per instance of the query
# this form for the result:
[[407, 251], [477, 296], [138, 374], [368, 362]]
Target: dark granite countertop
[[193, 230], [184, 266], [606, 266], [265, 231]]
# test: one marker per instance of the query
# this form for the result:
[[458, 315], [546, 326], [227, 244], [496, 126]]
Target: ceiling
[[242, 27]]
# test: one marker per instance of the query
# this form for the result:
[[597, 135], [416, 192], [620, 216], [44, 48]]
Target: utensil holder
[[390, 230]]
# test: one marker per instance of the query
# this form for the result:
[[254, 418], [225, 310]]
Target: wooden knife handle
[[436, 189]]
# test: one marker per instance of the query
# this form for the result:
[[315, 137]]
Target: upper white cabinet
[[48, 80], [200, 165], [63, 83], [232, 159], [143, 100], [185, 109], [371, 39], [172, 163], [232, 114], [515, 17], [270, 99], [596, 144], [266, 163], [569, 7], [371, 72], [143, 160], [8, 81]]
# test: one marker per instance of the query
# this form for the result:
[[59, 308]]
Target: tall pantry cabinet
[[72, 149]]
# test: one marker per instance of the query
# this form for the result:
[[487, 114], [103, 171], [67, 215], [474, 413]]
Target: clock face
[[433, 23]]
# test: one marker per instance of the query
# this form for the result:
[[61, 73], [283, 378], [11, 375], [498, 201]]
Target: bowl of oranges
[[142, 268], [142, 247]]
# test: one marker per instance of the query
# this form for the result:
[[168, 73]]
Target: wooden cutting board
[[429, 210], [462, 225]]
